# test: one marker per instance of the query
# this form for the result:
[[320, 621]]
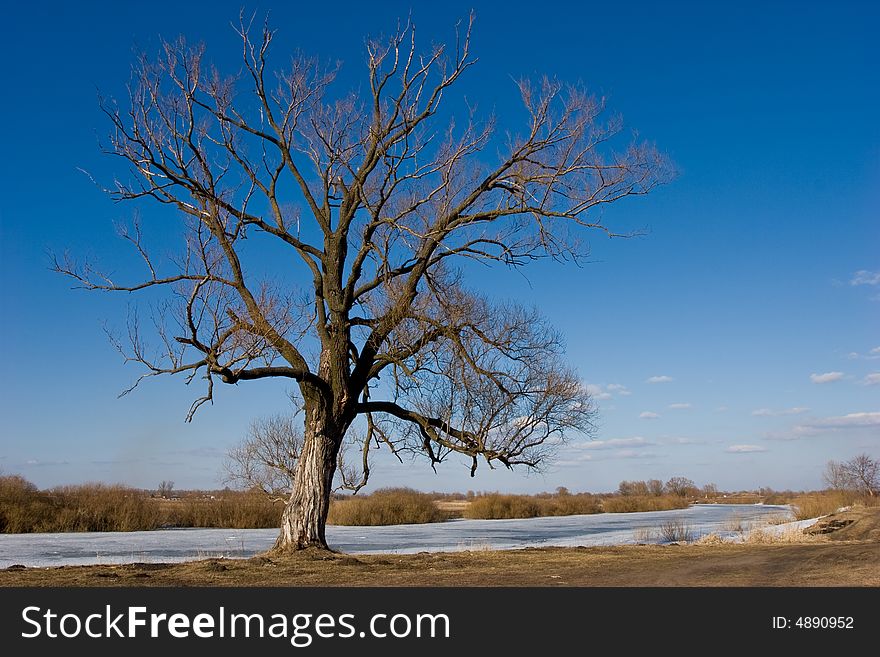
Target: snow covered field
[[726, 520]]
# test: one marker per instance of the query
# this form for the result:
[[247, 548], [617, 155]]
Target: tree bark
[[305, 516]]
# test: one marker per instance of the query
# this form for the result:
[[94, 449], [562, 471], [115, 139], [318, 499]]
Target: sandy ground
[[841, 550]]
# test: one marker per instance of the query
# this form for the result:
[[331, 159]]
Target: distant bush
[[102, 508], [89, 507], [387, 506], [227, 509], [22, 506], [106, 508], [635, 503], [497, 506]]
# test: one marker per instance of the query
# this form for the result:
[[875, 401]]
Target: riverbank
[[847, 554]]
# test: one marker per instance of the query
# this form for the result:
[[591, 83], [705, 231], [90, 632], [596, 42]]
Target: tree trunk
[[305, 516]]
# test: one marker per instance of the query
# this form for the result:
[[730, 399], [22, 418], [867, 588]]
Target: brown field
[[848, 554]]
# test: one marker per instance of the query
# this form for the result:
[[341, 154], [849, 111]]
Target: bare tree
[[836, 476], [865, 473], [681, 486], [628, 488], [266, 458], [166, 489], [860, 473], [655, 487], [376, 200]]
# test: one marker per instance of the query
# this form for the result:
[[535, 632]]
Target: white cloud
[[852, 422], [596, 392], [686, 441], [872, 379], [827, 377], [576, 460], [873, 354], [865, 277], [744, 449], [604, 392], [636, 441], [680, 405], [766, 412], [662, 378], [869, 419], [721, 409], [634, 454], [648, 415], [38, 462]]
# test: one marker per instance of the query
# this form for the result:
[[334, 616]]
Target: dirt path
[[850, 558]]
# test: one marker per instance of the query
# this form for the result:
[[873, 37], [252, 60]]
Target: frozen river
[[186, 544]]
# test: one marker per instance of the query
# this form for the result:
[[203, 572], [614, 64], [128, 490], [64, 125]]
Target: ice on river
[[168, 545]]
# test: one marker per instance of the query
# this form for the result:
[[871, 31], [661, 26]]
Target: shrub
[[676, 531], [99, 507], [495, 506], [635, 503], [387, 506]]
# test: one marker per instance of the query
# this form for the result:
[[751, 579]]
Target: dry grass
[[710, 539], [782, 535], [814, 505], [98, 507], [644, 536], [635, 503], [387, 506], [496, 506]]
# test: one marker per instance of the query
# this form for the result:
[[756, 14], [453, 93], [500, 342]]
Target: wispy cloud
[[873, 354], [872, 379], [827, 377], [685, 441], [855, 423], [867, 419], [204, 451], [648, 415], [767, 412], [721, 409], [865, 277], [614, 443], [606, 450], [680, 405], [745, 449], [596, 392], [661, 378], [40, 463], [601, 392], [634, 454]]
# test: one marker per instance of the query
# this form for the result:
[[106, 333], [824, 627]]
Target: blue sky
[[736, 342]]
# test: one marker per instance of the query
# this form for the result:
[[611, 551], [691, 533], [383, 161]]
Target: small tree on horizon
[[861, 473], [371, 197]]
